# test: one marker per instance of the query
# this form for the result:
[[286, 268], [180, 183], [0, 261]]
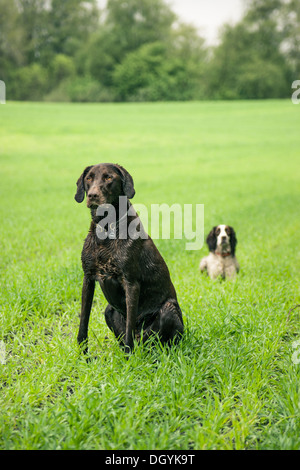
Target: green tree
[[99, 56], [55, 27], [260, 79], [137, 22], [138, 50], [70, 23], [290, 20], [30, 83], [156, 72], [127, 26], [138, 69], [11, 39], [61, 68], [285, 15], [31, 20], [249, 62]]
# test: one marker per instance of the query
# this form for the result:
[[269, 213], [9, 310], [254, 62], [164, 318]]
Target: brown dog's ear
[[79, 196], [127, 182], [211, 239]]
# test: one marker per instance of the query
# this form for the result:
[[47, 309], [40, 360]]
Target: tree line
[[139, 50]]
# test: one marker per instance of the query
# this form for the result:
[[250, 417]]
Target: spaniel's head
[[222, 240]]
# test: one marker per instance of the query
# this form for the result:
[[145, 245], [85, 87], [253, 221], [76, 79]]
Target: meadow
[[233, 381]]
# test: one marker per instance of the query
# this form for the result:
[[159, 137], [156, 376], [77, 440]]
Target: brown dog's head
[[103, 184]]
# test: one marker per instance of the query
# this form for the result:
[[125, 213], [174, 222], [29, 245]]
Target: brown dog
[[132, 274]]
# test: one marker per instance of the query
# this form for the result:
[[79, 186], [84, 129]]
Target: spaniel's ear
[[79, 196], [127, 182], [211, 239], [233, 240]]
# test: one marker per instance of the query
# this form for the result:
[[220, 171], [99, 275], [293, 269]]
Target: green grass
[[231, 383]]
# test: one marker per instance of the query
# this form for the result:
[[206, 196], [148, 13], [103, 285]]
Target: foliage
[[139, 69], [248, 64], [261, 79], [61, 68], [31, 82], [135, 22], [158, 72], [75, 42]]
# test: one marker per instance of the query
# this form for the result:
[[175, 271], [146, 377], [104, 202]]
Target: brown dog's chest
[[108, 269], [102, 266], [99, 262], [110, 279]]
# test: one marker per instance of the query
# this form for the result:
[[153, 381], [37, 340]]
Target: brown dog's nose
[[92, 195]]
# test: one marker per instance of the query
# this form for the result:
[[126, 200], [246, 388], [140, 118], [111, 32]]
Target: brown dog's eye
[[107, 177], [89, 178], [218, 231]]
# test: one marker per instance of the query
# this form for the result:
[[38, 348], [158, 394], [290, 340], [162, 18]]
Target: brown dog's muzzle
[[93, 197], [97, 195]]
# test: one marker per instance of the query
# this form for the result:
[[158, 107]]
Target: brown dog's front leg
[[132, 302], [87, 295]]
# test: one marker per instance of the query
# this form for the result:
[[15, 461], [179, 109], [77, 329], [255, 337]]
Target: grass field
[[233, 382]]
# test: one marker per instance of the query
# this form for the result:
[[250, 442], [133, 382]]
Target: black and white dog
[[221, 260]]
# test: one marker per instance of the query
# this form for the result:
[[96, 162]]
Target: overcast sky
[[206, 15]]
